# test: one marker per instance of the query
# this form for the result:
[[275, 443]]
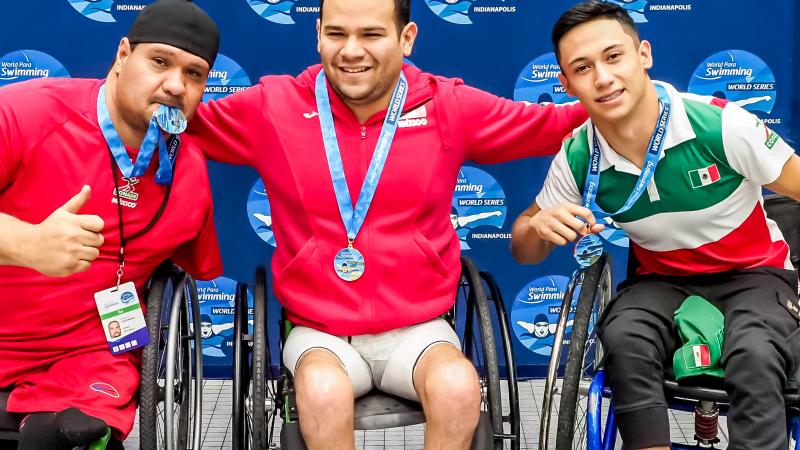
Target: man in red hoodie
[[360, 157]]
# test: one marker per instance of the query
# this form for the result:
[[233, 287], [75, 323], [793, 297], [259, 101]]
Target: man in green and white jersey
[[689, 197]]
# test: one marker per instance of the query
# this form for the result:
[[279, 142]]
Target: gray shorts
[[385, 360]]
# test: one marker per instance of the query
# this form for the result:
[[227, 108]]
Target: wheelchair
[[580, 415], [261, 395], [170, 401]]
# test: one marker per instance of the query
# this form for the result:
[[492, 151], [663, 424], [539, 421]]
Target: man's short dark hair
[[402, 13], [586, 12]]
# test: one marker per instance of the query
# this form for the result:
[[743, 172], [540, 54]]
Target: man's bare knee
[[321, 382], [454, 383], [449, 386]]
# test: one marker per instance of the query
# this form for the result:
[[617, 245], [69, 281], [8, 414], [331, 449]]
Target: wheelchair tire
[[242, 342], [594, 294], [513, 417], [488, 371], [256, 418], [167, 288]]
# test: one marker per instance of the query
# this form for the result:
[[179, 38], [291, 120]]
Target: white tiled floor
[[217, 422]]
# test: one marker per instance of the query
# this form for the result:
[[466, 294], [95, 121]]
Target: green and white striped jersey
[[702, 212]]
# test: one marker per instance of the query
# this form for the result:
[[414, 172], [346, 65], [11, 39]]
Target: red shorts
[[98, 383]]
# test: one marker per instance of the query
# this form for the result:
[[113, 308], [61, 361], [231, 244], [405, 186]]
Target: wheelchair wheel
[[584, 353], [242, 349], [479, 346], [513, 417], [260, 411], [170, 401]]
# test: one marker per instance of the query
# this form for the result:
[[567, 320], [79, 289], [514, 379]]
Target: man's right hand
[[537, 231], [561, 224], [66, 242]]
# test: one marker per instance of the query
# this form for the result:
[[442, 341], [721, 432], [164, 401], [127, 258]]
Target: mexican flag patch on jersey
[[704, 177]]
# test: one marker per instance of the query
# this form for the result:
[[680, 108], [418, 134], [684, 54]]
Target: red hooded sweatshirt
[[410, 249]]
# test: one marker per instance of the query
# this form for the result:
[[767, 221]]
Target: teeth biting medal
[[170, 119]]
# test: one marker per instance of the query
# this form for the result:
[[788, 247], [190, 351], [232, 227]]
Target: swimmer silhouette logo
[[634, 8], [639, 9], [217, 300], [534, 315], [458, 11], [258, 212], [22, 65], [284, 12], [478, 202], [105, 10]]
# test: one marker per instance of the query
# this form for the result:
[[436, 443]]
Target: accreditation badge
[[122, 318]]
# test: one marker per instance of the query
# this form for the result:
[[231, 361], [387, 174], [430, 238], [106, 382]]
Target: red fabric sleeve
[[229, 130], [200, 257], [495, 129]]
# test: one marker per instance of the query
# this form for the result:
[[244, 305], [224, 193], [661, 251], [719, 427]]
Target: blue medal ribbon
[[589, 248], [353, 218], [152, 138]]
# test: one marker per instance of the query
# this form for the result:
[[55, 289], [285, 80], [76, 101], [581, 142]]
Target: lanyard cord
[[122, 240]]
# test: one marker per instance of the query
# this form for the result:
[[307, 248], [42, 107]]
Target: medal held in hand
[[588, 250]]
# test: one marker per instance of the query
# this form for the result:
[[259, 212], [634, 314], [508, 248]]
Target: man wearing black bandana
[[79, 182]]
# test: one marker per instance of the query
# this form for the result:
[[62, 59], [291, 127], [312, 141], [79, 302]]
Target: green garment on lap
[[701, 327]]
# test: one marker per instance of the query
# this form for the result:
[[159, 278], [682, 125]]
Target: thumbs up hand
[[66, 242]]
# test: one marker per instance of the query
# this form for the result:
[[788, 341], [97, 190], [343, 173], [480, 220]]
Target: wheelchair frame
[[587, 379], [250, 419]]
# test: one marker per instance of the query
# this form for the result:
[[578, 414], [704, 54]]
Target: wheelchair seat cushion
[[378, 410]]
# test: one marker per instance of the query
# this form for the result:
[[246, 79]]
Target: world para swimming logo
[[225, 78], [22, 65], [538, 82], [479, 207], [738, 76], [534, 315]]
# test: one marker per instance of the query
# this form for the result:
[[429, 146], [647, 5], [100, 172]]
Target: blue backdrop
[[745, 50]]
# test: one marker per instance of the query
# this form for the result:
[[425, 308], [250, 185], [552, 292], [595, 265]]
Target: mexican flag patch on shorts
[[701, 357]]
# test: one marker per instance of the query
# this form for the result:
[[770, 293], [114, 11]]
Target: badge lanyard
[[589, 248], [171, 120]]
